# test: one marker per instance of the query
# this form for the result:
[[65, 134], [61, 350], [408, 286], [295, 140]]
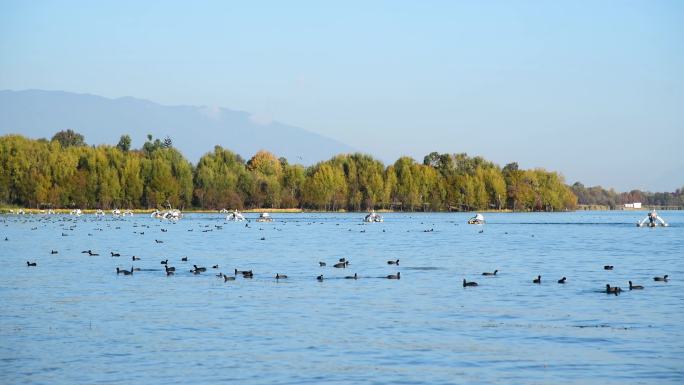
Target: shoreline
[[27, 211]]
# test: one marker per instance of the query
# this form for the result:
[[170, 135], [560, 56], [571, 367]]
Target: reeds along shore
[[62, 174]]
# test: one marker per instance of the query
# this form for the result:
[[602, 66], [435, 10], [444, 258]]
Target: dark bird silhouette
[[158, 241], [92, 254], [352, 276], [394, 276], [115, 254], [321, 264], [280, 276], [135, 258], [228, 278], [488, 273], [200, 269], [53, 251], [320, 278], [661, 279], [215, 267], [165, 262], [635, 287], [608, 267], [562, 280], [393, 262], [537, 280], [184, 259], [612, 290], [31, 263], [466, 283]]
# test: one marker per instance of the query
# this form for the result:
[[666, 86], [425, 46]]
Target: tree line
[[65, 172], [597, 195]]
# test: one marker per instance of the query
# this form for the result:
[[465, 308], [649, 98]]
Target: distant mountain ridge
[[195, 130]]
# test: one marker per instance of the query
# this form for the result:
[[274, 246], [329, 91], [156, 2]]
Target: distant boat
[[652, 220], [235, 216], [170, 214], [373, 217], [478, 219], [264, 217]]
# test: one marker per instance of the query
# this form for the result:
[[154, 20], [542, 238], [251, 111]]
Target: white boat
[[264, 217], [235, 216], [478, 219], [652, 220], [373, 217], [171, 214]]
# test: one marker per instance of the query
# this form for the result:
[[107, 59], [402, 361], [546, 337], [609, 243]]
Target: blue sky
[[591, 89]]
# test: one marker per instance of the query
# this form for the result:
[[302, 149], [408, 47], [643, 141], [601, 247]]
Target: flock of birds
[[341, 263]]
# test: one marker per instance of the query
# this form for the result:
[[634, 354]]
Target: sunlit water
[[73, 320]]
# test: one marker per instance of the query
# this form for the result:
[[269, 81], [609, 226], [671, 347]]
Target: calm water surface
[[73, 320]]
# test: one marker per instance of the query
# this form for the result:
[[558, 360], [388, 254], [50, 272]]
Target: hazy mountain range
[[195, 130]]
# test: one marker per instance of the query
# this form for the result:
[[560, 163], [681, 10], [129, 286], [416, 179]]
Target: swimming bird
[[135, 258], [352, 276], [31, 263], [247, 274], [608, 267], [215, 267], [164, 262], [393, 262], [114, 254], [53, 251], [92, 254], [394, 276], [167, 268], [635, 287], [184, 259], [199, 268], [158, 241], [340, 264], [342, 260], [219, 275], [321, 264], [124, 272], [661, 279], [487, 273], [280, 276], [537, 280], [612, 290], [228, 278], [562, 280], [466, 283], [320, 278]]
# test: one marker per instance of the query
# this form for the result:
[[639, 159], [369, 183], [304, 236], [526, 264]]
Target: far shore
[[7, 210]]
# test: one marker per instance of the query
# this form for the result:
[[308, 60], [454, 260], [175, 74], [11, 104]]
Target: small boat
[[235, 216], [170, 214], [652, 220], [373, 217], [478, 219], [264, 217]]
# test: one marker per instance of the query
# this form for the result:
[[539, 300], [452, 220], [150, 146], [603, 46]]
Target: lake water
[[73, 320]]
